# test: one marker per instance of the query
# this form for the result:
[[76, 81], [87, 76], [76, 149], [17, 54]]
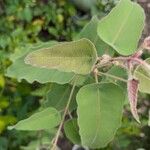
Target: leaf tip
[[10, 127], [135, 115]]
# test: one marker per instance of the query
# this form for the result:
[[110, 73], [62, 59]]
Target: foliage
[[69, 75]]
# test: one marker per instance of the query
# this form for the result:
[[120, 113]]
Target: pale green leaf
[[20, 70], [99, 112], [72, 131], [122, 27], [144, 78], [77, 56], [45, 119], [90, 32]]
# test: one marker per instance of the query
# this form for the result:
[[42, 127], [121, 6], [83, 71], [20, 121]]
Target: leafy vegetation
[[55, 75]]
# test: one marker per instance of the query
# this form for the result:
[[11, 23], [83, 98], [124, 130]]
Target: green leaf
[[72, 131], [77, 56], [40, 142], [20, 70], [121, 73], [122, 27], [144, 78], [99, 112], [118, 72], [58, 97], [45, 119], [79, 79], [90, 32]]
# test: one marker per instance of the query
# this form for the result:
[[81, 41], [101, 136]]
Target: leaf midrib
[[98, 112], [122, 26]]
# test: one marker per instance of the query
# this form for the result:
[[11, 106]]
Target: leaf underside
[[77, 56]]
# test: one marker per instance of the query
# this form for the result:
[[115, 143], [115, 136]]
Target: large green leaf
[[99, 112], [20, 70], [45, 119], [77, 56], [144, 78], [90, 32], [58, 97], [123, 26], [72, 131]]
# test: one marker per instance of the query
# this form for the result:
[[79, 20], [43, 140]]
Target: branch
[[54, 144]]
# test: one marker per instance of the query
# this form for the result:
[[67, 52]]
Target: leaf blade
[[90, 32], [45, 119], [95, 111], [20, 70], [58, 97], [77, 56], [72, 131], [144, 77], [115, 29]]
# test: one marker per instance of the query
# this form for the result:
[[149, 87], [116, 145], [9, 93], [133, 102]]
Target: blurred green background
[[31, 21]]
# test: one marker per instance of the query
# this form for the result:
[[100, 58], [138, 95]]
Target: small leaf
[[143, 75], [20, 70], [132, 87], [77, 56], [90, 32], [122, 27], [99, 112], [45, 119], [72, 131]]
